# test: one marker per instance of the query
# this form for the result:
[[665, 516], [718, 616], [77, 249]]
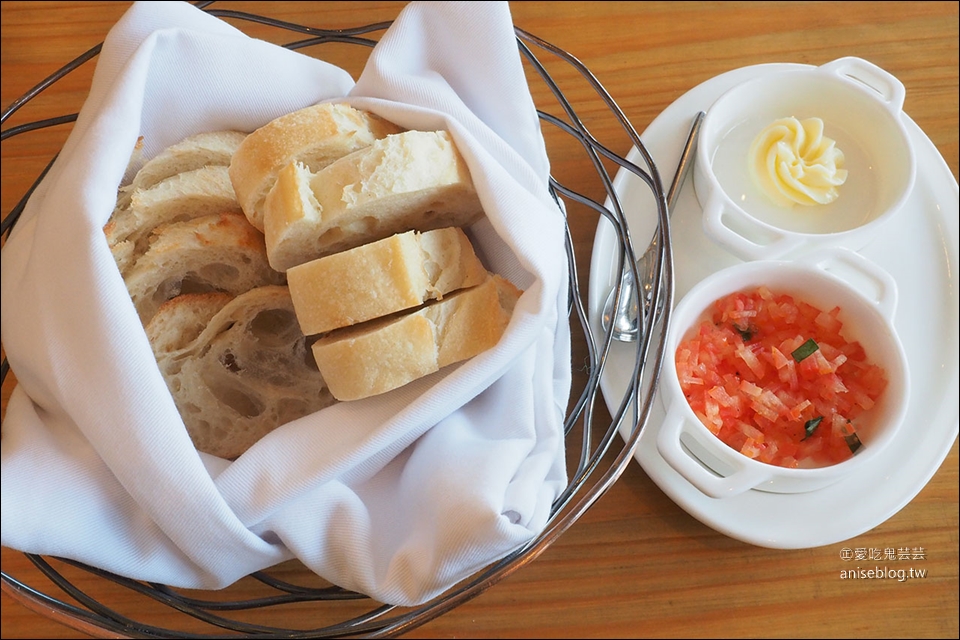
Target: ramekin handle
[[852, 69], [845, 264], [748, 238], [742, 479]]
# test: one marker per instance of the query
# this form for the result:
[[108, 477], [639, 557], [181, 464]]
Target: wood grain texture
[[636, 564]]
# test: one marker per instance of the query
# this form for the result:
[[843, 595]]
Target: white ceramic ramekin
[[867, 297], [861, 107]]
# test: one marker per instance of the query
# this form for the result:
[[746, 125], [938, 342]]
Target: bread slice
[[183, 196], [314, 136], [195, 194], [382, 277], [215, 148], [246, 373], [410, 180], [220, 252], [180, 320], [383, 354]]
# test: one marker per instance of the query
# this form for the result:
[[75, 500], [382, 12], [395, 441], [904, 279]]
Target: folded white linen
[[398, 496]]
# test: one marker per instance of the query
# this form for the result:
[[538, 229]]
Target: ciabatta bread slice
[[221, 252], [246, 373], [382, 277], [410, 180], [383, 354], [314, 136]]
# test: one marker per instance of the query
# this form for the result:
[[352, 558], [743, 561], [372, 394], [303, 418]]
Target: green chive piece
[[745, 334], [811, 426], [853, 441], [804, 350]]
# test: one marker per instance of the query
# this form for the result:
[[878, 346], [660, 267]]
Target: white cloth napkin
[[399, 496]]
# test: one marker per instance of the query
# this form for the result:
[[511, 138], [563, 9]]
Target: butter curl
[[794, 163]]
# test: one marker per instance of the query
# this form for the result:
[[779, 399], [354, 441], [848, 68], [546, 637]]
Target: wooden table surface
[[635, 564]]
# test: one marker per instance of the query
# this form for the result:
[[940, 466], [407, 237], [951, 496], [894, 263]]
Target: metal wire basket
[[595, 463]]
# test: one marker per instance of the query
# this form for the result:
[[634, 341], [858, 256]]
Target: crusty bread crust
[[314, 136], [384, 354], [246, 373], [382, 277], [410, 180], [222, 252]]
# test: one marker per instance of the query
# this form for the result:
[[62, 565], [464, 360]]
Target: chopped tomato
[[741, 375]]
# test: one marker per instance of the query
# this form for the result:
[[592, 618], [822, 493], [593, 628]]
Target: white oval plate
[[919, 248]]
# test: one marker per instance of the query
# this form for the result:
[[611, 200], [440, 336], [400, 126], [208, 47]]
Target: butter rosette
[[794, 163]]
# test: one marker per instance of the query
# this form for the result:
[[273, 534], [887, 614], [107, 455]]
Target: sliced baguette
[[183, 196], [382, 277], [205, 188], [410, 180], [246, 373], [314, 136], [220, 252], [215, 148], [180, 320], [195, 152], [383, 354]]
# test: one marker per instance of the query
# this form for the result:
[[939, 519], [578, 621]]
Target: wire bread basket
[[599, 445]]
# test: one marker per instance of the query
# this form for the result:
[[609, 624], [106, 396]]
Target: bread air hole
[[309, 359], [218, 272], [432, 270], [193, 282], [229, 362], [330, 236], [335, 238], [275, 327], [235, 398], [290, 409], [367, 224], [166, 290]]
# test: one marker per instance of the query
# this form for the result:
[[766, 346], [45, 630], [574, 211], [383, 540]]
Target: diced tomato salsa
[[742, 379]]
